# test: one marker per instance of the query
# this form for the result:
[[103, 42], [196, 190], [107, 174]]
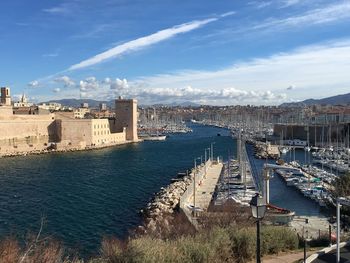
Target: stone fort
[[23, 133]]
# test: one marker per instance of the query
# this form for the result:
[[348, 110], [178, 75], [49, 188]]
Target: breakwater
[[158, 212]]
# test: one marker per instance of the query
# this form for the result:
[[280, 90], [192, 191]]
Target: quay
[[199, 194]]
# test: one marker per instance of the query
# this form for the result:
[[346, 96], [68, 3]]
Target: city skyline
[[257, 52]]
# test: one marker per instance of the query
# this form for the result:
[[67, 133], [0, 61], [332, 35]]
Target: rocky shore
[[160, 210]]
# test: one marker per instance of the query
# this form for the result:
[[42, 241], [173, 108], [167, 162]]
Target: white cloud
[[327, 14], [228, 14], [50, 55], [63, 9], [143, 42], [318, 71], [260, 4], [67, 81], [323, 68], [119, 84], [33, 84], [287, 3], [56, 90], [89, 84]]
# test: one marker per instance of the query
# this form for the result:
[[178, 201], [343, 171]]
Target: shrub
[[243, 244]]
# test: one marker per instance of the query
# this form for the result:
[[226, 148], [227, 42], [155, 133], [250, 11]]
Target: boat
[[153, 137], [278, 215], [284, 150]]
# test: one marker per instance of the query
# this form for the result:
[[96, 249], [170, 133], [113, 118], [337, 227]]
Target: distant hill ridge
[[95, 103], [343, 99]]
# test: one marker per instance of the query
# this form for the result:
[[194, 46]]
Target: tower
[[5, 96], [126, 115]]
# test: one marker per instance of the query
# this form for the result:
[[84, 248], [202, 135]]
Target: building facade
[[5, 96], [27, 133]]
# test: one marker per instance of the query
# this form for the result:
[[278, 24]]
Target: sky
[[170, 51]]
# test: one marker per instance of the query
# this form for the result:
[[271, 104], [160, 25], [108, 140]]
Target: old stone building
[[26, 133]]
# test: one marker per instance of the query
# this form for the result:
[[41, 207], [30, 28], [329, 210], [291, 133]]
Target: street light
[[205, 160], [194, 184], [212, 151], [258, 206]]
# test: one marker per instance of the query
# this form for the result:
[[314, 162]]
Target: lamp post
[[205, 160], [212, 151], [258, 206], [194, 185]]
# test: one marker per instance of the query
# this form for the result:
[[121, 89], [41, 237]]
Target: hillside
[[95, 103], [334, 100]]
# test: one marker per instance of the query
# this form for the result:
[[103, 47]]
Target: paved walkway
[[317, 225], [286, 258], [205, 189]]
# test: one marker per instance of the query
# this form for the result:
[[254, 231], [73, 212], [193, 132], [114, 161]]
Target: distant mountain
[[95, 103], [77, 102], [343, 99], [183, 104]]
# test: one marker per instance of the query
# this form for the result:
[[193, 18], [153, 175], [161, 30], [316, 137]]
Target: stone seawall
[[52, 149]]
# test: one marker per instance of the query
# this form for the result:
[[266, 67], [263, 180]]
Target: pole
[[258, 259], [194, 187], [330, 235], [304, 250], [338, 231]]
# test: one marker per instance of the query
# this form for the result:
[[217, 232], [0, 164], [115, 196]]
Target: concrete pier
[[198, 195], [206, 187]]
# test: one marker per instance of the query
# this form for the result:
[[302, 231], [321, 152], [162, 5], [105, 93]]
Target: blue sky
[[210, 52]]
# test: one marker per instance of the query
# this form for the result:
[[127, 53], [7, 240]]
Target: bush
[[220, 244], [243, 244], [276, 239]]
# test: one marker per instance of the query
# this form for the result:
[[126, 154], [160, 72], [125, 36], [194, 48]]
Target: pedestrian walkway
[[286, 258], [205, 188]]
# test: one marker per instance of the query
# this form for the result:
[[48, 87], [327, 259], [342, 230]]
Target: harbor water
[[84, 196], [280, 194]]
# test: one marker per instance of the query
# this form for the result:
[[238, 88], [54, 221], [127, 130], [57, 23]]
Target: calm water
[[84, 196], [283, 196]]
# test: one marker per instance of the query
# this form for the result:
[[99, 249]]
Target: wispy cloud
[[323, 67], [67, 81], [271, 80], [336, 12], [50, 55], [144, 42], [63, 8], [327, 14], [260, 4], [287, 3], [33, 84]]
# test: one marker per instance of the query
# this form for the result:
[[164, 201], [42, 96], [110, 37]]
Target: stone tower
[[126, 115], [5, 96]]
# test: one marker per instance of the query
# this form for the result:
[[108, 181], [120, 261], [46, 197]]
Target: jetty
[[199, 194]]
